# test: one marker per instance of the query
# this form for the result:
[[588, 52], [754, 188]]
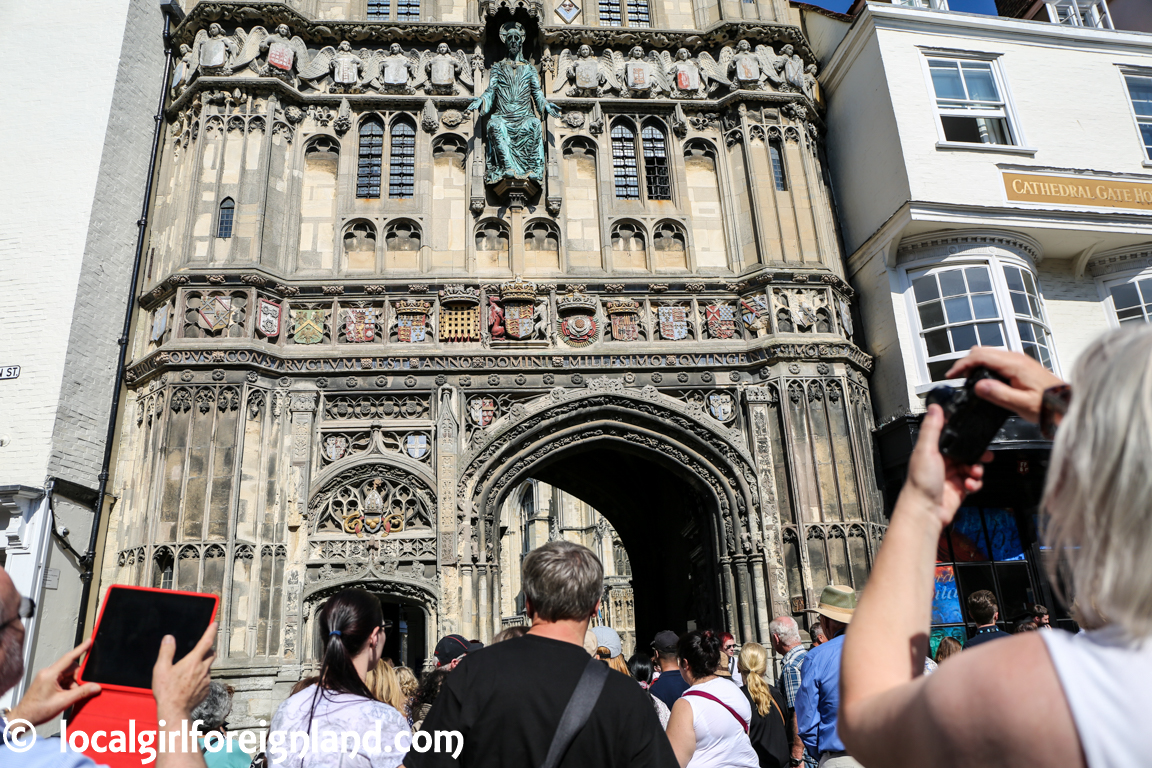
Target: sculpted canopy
[[515, 141]]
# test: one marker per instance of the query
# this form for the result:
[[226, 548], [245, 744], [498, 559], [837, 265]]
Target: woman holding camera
[[1089, 694], [350, 728]]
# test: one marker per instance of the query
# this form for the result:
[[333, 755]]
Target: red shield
[[280, 56], [625, 327], [673, 323], [360, 325], [721, 321]]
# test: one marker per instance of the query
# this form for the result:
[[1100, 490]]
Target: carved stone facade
[[350, 352]]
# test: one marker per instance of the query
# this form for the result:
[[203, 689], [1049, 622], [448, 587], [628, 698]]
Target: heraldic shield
[[360, 325], [280, 56], [268, 318], [579, 329], [215, 313], [308, 326], [721, 406], [411, 328], [673, 323], [482, 410], [721, 321], [518, 319]]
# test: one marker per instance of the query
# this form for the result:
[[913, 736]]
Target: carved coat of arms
[[308, 326], [803, 313], [637, 75], [721, 406], [578, 324], [212, 53], [482, 410], [845, 317], [518, 322], [281, 56], [721, 320], [268, 318], [412, 322], [625, 316], [335, 446], [416, 446], [216, 313], [754, 312], [673, 323], [587, 73], [160, 323], [373, 517], [360, 324]]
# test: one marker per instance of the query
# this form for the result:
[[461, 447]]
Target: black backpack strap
[[577, 712]]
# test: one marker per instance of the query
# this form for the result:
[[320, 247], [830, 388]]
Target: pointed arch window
[[624, 163], [656, 179], [777, 159], [370, 158], [402, 160], [225, 218]]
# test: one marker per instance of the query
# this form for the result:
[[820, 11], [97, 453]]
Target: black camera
[[972, 421]]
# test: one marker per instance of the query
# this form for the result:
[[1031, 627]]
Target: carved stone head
[[184, 49], [636, 53], [512, 35], [394, 49], [786, 50], [743, 46], [283, 30], [811, 69], [345, 46], [584, 52], [442, 49], [215, 30], [683, 54]]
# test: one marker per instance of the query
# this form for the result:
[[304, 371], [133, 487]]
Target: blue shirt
[[45, 753], [669, 687], [819, 698]]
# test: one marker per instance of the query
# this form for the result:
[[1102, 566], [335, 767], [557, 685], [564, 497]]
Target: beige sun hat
[[837, 602]]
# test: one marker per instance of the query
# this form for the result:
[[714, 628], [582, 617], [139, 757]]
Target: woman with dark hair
[[710, 720], [351, 729], [426, 695], [641, 668]]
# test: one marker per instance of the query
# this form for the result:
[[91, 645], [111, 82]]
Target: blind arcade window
[[1140, 91], [957, 311], [969, 102]]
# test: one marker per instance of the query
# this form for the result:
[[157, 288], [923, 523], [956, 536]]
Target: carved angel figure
[[214, 51], [184, 69], [639, 75], [344, 66], [811, 84], [793, 67], [281, 53], [689, 79], [439, 71], [391, 72], [589, 76], [753, 71]]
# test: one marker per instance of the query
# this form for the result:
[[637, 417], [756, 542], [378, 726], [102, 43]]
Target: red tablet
[[130, 626]]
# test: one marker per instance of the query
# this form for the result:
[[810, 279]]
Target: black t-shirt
[[984, 634], [771, 737], [507, 699]]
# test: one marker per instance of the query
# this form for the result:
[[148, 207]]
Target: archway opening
[[663, 517]]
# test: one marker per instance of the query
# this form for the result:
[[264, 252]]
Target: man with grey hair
[[176, 687], [507, 699], [213, 712], [785, 637]]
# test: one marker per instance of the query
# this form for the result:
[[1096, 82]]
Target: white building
[[74, 179], [993, 179]]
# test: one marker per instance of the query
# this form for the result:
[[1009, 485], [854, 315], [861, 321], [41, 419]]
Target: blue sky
[[964, 6]]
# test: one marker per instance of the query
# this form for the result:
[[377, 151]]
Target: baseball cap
[[666, 641], [608, 638], [453, 646]]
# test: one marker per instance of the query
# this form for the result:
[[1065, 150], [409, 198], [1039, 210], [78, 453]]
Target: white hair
[[784, 627], [1099, 484]]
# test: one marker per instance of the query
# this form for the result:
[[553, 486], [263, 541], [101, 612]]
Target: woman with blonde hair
[[385, 687], [1089, 694], [768, 730], [409, 685]]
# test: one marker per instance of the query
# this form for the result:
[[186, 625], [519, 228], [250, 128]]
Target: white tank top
[[1108, 683], [721, 741]]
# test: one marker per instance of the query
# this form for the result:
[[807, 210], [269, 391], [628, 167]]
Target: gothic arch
[[367, 494]]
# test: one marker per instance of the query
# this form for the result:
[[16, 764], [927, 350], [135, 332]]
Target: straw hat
[[837, 602]]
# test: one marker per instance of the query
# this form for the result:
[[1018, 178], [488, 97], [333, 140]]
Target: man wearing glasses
[[178, 688]]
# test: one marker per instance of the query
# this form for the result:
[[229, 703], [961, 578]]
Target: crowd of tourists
[[842, 693]]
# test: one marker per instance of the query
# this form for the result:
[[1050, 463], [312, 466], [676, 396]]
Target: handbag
[[577, 711]]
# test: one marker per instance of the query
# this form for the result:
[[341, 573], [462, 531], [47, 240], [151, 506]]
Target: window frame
[[1052, 6], [1010, 115], [1105, 283], [623, 8], [231, 218], [377, 121], [398, 172], [639, 158], [995, 262], [1125, 73], [935, 5], [393, 14]]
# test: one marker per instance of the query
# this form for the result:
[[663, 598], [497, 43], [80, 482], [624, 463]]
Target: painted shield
[[720, 405], [673, 323], [179, 73], [335, 446], [845, 317], [360, 325], [344, 70], [212, 53], [687, 77], [753, 308], [587, 73], [280, 56], [307, 326], [268, 318], [416, 446], [518, 319], [396, 71], [568, 11], [625, 326], [803, 313], [443, 72], [216, 313], [160, 323], [481, 410], [579, 330], [721, 321], [747, 69], [636, 73], [412, 328]]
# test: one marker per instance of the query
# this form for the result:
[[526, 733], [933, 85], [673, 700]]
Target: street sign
[[9, 371]]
